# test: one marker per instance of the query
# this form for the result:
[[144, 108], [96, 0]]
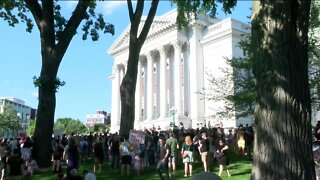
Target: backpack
[[84, 146], [125, 149]]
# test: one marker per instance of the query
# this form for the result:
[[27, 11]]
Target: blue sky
[[85, 67]]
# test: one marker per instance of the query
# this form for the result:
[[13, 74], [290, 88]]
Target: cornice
[[159, 27]]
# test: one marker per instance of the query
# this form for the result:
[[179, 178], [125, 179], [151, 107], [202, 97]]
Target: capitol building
[[173, 69]]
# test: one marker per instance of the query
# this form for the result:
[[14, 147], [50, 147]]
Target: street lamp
[[173, 112]]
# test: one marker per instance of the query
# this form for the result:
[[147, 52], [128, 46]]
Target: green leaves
[[69, 125], [14, 17], [9, 120], [92, 26], [188, 9], [16, 11], [48, 84]]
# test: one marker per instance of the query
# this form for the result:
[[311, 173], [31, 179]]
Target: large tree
[[283, 139], [128, 85], [56, 33]]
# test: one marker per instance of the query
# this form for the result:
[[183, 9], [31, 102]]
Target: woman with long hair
[[187, 155], [221, 157]]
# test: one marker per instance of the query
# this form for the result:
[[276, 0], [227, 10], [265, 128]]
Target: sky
[[85, 67]]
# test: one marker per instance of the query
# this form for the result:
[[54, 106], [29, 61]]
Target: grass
[[240, 169]]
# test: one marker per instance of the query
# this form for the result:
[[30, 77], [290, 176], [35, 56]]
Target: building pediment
[[159, 25]]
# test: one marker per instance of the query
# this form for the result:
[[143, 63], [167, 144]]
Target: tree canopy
[[69, 125], [9, 121]]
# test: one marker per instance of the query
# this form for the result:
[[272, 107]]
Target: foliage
[[47, 85], [9, 120], [31, 127], [100, 128], [69, 125], [189, 8], [314, 54], [15, 12]]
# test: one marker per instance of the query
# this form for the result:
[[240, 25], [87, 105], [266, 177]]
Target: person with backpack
[[83, 149], [125, 153]]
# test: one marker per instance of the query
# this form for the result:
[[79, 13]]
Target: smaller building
[[23, 111], [101, 117]]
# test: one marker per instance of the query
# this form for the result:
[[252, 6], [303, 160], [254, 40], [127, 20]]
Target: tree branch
[[35, 9], [137, 17], [70, 30], [130, 9], [47, 29], [149, 20]]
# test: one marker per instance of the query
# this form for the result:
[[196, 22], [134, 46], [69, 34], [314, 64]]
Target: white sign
[[137, 137]]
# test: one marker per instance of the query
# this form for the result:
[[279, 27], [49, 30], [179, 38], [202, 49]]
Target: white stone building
[[101, 117], [172, 70]]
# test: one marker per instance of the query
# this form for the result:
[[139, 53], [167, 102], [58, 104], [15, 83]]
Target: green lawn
[[240, 169]]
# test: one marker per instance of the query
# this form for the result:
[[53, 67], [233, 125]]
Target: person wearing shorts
[[126, 159], [172, 143], [204, 149]]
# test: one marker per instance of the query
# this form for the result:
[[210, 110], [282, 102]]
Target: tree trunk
[[127, 92], [46, 109], [283, 139], [128, 85]]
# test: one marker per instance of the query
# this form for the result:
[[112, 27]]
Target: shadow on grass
[[240, 169]]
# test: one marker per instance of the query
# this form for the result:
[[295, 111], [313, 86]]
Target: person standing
[[221, 157], [163, 153], [114, 151], [172, 143], [72, 156], [98, 154], [125, 152], [204, 149], [15, 165], [187, 155]]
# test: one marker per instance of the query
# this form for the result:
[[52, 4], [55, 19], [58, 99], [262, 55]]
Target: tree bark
[[283, 139], [128, 85], [45, 114]]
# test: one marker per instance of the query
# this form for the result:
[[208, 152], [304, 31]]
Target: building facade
[[101, 117], [24, 112], [173, 68]]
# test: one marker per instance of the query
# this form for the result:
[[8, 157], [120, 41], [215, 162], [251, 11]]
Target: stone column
[[137, 95], [177, 78], [163, 81], [196, 75], [149, 86], [115, 117], [145, 93], [121, 75]]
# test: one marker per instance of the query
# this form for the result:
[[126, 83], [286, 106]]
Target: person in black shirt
[[221, 157], [204, 149], [163, 153], [15, 165]]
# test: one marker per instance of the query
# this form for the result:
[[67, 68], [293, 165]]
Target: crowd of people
[[16, 158], [160, 150]]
